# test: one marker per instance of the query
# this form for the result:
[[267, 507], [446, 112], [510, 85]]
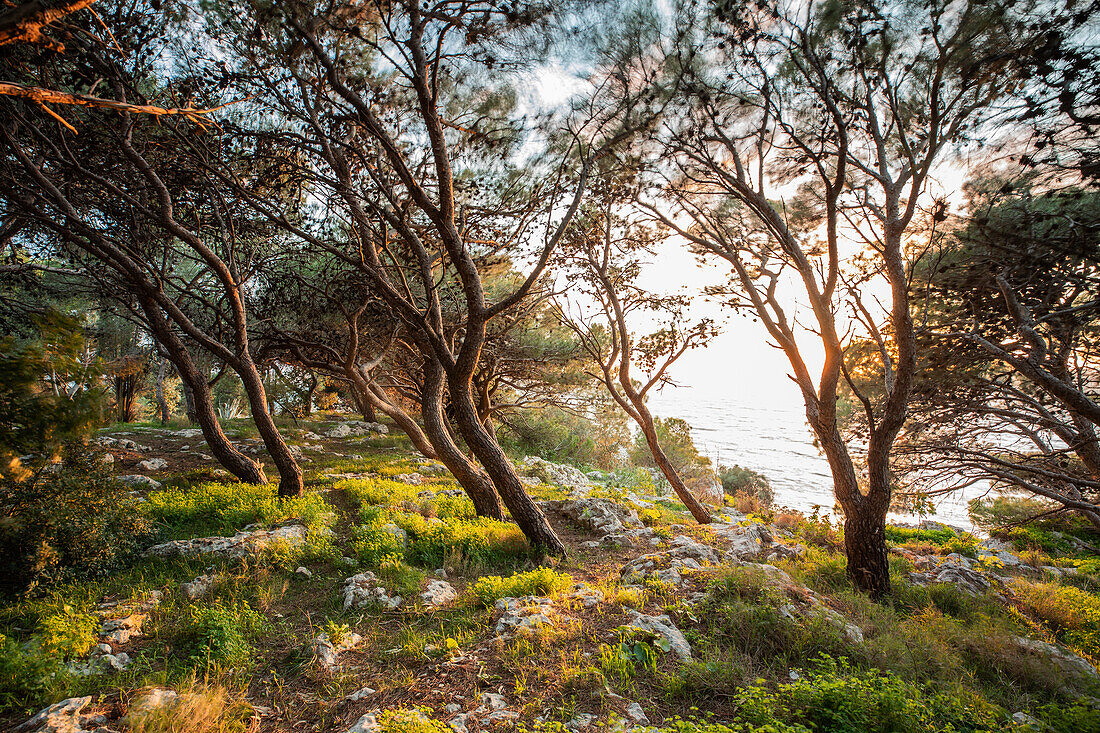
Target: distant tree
[[606, 250], [48, 395]]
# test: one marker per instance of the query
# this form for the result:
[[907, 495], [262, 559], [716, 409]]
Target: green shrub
[[674, 436], [371, 543], [72, 522], [738, 480], [744, 618], [27, 675], [538, 582], [1073, 614], [219, 508], [378, 492], [832, 697], [67, 634], [412, 720], [220, 634]]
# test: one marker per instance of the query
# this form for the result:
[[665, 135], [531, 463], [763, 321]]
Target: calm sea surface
[[776, 441]]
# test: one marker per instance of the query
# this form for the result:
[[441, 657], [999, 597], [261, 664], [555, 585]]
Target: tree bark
[[503, 474], [162, 402], [200, 399], [469, 475], [865, 545], [189, 403], [701, 513], [290, 474]]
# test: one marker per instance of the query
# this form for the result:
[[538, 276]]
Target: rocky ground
[[343, 619]]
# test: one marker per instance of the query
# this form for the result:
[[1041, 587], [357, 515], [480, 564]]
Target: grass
[[200, 707], [933, 658]]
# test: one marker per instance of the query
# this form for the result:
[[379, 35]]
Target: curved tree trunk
[[701, 513], [200, 401], [365, 396], [470, 476], [503, 474], [290, 474]]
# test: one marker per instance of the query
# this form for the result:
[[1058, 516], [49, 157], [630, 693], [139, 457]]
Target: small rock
[[300, 570], [325, 651], [137, 481], [200, 586], [61, 717], [360, 694], [439, 592], [414, 479], [636, 715], [364, 590], [458, 722], [580, 721], [662, 626], [366, 724], [153, 464]]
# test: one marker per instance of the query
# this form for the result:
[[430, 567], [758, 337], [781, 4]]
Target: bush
[[371, 543], [72, 522], [565, 437], [219, 508], [481, 541], [744, 617], [1073, 614], [27, 675], [538, 582], [67, 634], [220, 634], [834, 698], [410, 721], [745, 481], [674, 436]]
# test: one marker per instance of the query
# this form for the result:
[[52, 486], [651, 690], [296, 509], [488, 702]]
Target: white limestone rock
[[137, 481], [662, 626], [439, 593], [153, 464], [364, 589], [61, 717], [527, 613], [243, 544], [326, 651], [555, 474]]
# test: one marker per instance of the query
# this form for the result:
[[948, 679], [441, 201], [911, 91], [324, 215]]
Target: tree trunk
[[503, 474], [469, 475], [290, 474], [311, 393], [364, 396], [864, 517], [162, 402], [189, 403], [701, 513], [200, 400], [865, 545]]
